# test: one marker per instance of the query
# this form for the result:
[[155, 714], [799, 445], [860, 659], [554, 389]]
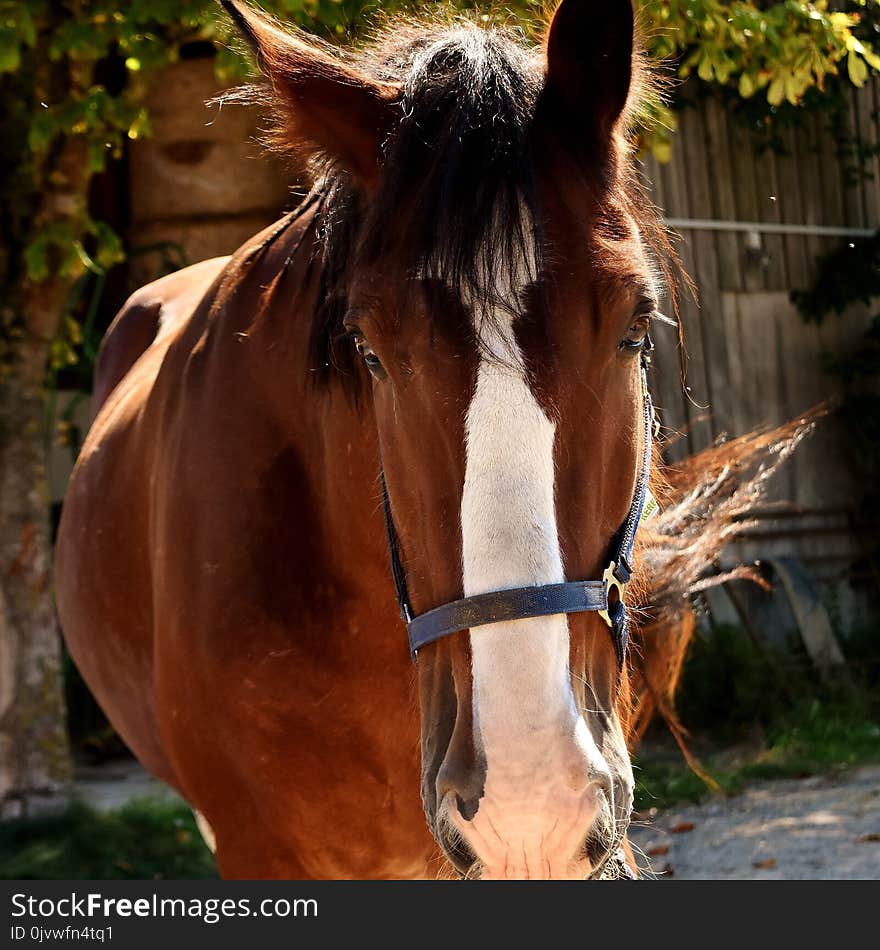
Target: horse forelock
[[458, 196]]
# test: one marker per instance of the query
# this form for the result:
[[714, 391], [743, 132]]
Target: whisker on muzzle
[[458, 852]]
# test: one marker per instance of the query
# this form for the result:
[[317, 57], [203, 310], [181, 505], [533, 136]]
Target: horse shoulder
[[149, 316]]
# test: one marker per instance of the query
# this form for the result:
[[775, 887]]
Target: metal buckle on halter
[[609, 579]]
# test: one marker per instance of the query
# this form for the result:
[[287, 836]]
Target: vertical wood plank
[[867, 136], [720, 163], [665, 378], [812, 199], [666, 384], [792, 212], [855, 216], [767, 189], [805, 386], [788, 477], [746, 198], [731, 328], [874, 185], [830, 215], [675, 187], [830, 175], [677, 205], [706, 273]]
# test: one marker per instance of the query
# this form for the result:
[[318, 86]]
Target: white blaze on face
[[510, 539], [537, 803]]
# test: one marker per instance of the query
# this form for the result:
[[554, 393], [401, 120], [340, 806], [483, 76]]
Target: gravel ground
[[821, 828], [826, 827]]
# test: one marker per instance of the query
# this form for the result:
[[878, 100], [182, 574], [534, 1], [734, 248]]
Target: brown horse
[[465, 295]]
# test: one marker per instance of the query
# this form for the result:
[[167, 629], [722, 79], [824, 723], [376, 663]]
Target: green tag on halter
[[651, 508]]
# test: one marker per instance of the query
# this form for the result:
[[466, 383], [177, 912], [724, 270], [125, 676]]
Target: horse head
[[493, 301]]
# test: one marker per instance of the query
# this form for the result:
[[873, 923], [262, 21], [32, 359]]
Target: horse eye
[[374, 364], [637, 334]]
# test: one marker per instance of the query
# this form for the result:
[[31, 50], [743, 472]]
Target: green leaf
[[746, 86], [872, 59], [26, 29], [857, 68], [110, 250], [97, 156], [706, 70], [776, 91], [10, 53], [74, 330]]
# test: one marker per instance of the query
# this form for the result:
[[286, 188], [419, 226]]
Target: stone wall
[[201, 184]]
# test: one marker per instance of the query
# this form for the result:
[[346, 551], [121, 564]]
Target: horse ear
[[589, 62], [326, 105]]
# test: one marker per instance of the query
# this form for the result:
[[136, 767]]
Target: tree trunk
[[34, 750], [35, 763]]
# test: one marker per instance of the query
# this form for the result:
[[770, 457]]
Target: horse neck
[[318, 421]]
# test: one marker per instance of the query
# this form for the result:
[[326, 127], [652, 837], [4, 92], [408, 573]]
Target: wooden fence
[[752, 360]]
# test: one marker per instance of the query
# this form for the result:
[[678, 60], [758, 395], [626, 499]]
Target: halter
[[604, 596]]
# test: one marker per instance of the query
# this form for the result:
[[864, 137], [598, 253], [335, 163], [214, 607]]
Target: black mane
[[457, 196]]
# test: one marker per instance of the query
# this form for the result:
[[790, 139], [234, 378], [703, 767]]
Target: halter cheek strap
[[604, 596]]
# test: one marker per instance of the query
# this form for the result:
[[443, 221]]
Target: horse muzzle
[[570, 837]]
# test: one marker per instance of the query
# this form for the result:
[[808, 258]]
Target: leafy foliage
[[848, 274], [773, 64], [782, 49]]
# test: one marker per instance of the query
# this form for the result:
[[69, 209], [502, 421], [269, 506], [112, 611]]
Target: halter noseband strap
[[605, 596]]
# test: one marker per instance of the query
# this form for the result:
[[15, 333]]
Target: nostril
[[466, 804], [587, 777], [590, 782], [586, 774], [463, 786], [467, 807]]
